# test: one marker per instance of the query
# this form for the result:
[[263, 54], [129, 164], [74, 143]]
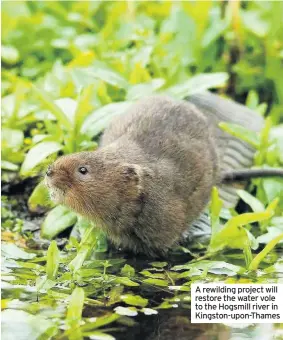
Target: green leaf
[[11, 138], [149, 311], [12, 148], [276, 136], [252, 21], [48, 104], [43, 284], [273, 187], [75, 309], [68, 106], [37, 155], [52, 261], [214, 32], [276, 268], [100, 71], [152, 275], [233, 235], [272, 232], [30, 265], [126, 281], [11, 251], [198, 83], [99, 119], [141, 90], [114, 296], [215, 267], [156, 282], [100, 322], [5, 165], [260, 256], [103, 72], [264, 133], [159, 264], [128, 271], [252, 201], [262, 109], [215, 209], [252, 100], [166, 305], [128, 311], [99, 336], [9, 55], [83, 226], [87, 245], [142, 55], [134, 300], [84, 105], [39, 197], [81, 78], [239, 131], [57, 220], [183, 288]]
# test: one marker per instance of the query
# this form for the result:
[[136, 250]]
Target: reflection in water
[[175, 325], [168, 324]]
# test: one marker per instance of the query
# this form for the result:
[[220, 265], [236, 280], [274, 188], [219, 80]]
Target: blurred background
[[118, 51], [142, 41]]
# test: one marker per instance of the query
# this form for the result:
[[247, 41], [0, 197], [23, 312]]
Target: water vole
[[149, 180]]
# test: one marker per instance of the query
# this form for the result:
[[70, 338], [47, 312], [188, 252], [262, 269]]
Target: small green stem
[[86, 246]]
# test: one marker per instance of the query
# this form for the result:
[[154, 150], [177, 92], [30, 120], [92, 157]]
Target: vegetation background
[[68, 67]]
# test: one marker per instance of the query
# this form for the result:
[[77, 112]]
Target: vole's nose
[[49, 171]]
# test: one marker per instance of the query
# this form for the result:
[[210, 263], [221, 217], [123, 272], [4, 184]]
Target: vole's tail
[[246, 174]]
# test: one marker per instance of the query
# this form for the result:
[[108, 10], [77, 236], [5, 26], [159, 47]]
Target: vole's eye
[[83, 170]]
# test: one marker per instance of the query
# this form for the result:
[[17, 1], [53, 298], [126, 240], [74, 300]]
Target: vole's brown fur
[[151, 177]]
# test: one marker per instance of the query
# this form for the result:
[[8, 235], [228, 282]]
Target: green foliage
[[259, 257], [74, 313], [57, 220], [238, 131], [52, 261], [233, 234], [85, 248], [134, 300], [11, 251]]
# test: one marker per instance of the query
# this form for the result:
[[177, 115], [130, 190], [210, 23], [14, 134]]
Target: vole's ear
[[134, 174]]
